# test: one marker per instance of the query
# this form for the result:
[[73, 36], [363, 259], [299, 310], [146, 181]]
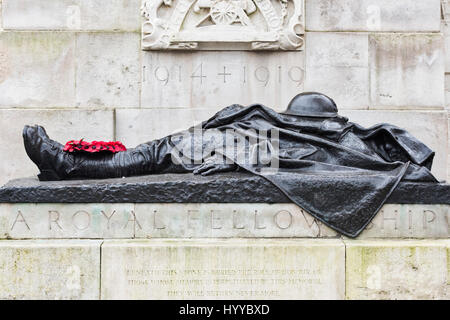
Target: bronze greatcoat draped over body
[[338, 171]]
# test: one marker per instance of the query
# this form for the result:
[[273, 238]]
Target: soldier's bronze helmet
[[312, 104]]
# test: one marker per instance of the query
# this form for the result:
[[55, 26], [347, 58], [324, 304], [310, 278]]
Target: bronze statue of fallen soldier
[[354, 169]]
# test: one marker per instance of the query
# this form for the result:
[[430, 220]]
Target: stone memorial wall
[[136, 70], [101, 70]]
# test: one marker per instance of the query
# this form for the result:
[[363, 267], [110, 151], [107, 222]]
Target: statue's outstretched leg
[[56, 164]]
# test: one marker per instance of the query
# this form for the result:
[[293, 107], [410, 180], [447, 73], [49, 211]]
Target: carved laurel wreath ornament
[[223, 24]]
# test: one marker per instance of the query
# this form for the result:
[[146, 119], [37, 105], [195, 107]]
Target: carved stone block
[[85, 15], [50, 270], [37, 69], [223, 269], [373, 15], [445, 9], [337, 65], [108, 72], [446, 32], [223, 24], [205, 220], [216, 79], [406, 70], [406, 269]]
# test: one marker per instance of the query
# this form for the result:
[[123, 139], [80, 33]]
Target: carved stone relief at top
[[223, 24]]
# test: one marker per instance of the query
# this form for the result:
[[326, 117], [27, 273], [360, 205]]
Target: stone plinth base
[[228, 269], [45, 269], [224, 237], [225, 269], [206, 220], [188, 206], [234, 187]]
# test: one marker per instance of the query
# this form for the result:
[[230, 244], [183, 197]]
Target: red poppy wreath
[[94, 146]]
